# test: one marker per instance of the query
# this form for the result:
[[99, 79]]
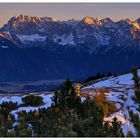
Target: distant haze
[[64, 11]]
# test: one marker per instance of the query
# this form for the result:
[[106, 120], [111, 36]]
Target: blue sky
[[64, 11]]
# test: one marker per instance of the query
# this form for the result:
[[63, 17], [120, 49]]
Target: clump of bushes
[[7, 107], [97, 76], [32, 100], [6, 119], [107, 106]]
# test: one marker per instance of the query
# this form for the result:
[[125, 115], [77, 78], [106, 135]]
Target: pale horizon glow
[[65, 11]]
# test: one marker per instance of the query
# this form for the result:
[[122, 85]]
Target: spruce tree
[[136, 79], [116, 128]]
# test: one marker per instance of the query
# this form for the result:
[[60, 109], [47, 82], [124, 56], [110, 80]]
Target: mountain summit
[[88, 20]]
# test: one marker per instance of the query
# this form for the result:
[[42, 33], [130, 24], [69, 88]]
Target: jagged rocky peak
[[88, 20], [49, 19], [127, 20], [36, 19], [128, 23], [26, 18], [138, 21], [135, 25], [23, 20], [20, 20], [106, 20], [124, 23], [71, 21]]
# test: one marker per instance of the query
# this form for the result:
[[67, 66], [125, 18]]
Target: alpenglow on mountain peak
[[88, 20], [27, 18]]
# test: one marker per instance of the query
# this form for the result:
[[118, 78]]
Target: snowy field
[[120, 90], [46, 100], [18, 99]]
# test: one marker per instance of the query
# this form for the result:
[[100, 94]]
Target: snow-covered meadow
[[18, 99]]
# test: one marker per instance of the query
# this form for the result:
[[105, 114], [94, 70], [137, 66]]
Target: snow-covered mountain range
[[94, 33], [79, 46]]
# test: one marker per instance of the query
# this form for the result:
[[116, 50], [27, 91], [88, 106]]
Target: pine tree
[[55, 99], [66, 97], [116, 128], [130, 134], [136, 120], [136, 83], [136, 78]]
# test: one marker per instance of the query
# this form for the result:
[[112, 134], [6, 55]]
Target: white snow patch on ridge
[[11, 98], [33, 37], [113, 82], [65, 39]]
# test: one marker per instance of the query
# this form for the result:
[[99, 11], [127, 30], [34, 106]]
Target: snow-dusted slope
[[120, 90], [33, 37], [18, 99], [46, 100], [113, 82]]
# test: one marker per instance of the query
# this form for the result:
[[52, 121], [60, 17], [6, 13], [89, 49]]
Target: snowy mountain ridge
[[88, 31]]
